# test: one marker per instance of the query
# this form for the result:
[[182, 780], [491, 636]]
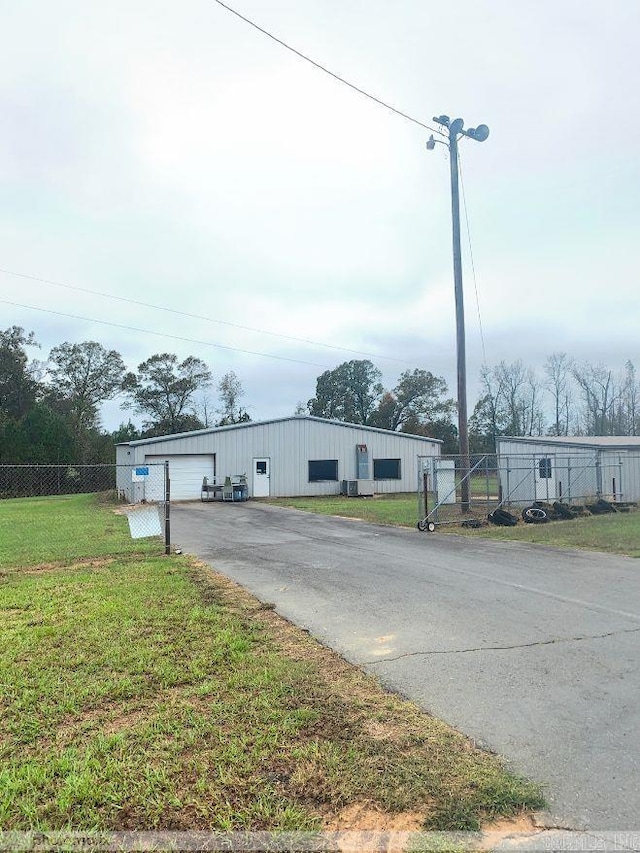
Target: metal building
[[297, 455], [569, 468]]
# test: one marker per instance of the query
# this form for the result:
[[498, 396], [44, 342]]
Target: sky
[[170, 154]]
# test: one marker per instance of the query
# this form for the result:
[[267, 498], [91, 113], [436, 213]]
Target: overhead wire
[[140, 303], [161, 334], [326, 70], [191, 316], [473, 266]]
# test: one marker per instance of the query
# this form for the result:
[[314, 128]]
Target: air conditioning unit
[[365, 488], [356, 488]]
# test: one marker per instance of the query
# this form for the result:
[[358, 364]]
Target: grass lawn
[[617, 533], [146, 692], [34, 531], [401, 509]]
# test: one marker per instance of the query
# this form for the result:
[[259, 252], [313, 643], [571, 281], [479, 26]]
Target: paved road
[[533, 652]]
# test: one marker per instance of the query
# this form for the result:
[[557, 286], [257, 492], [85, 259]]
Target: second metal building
[[569, 468]]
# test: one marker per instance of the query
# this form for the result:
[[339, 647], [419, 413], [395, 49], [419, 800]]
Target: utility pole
[[455, 130]]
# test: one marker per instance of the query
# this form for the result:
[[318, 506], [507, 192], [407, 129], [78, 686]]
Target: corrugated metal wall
[[290, 444], [620, 474], [574, 472], [578, 472]]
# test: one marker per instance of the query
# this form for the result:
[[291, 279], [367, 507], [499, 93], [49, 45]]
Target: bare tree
[[533, 410], [488, 419], [520, 391], [597, 388], [558, 369], [630, 400], [205, 410]]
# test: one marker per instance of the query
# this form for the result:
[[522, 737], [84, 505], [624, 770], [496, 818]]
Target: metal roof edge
[[600, 441], [248, 424]]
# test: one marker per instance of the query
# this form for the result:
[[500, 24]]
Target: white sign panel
[[144, 521]]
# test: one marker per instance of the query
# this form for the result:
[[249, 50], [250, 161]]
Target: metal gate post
[[167, 509], [620, 491], [425, 487]]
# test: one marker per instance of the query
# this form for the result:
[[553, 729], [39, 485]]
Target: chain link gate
[[498, 482]]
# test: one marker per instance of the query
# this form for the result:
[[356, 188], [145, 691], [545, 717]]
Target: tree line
[[50, 410], [417, 404], [567, 397]]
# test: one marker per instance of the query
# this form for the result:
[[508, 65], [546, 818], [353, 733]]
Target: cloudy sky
[[167, 153]]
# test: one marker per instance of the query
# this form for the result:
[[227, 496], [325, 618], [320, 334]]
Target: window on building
[[544, 468], [386, 469], [321, 470]]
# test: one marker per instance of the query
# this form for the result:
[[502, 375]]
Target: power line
[[162, 334], [473, 266], [327, 70], [197, 316]]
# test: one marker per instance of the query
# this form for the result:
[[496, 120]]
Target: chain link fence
[[456, 490], [140, 493]]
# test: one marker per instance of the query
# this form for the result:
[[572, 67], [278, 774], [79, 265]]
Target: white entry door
[[261, 477], [545, 478]]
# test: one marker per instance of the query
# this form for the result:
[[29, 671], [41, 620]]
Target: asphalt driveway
[[531, 651]]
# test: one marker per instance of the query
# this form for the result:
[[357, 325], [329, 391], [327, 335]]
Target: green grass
[[400, 509], [616, 533], [146, 692], [58, 529]]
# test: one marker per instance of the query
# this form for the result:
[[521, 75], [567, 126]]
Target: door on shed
[[261, 477], [186, 473], [545, 478]]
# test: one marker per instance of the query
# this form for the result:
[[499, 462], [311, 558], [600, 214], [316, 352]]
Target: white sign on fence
[[144, 521]]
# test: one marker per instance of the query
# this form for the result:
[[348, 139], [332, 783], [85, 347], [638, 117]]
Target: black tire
[[600, 507], [563, 511], [535, 515], [502, 518], [424, 525]]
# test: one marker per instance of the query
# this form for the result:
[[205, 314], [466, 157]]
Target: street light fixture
[[480, 133]]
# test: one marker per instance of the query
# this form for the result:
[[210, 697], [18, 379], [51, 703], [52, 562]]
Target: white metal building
[[569, 468], [297, 455]]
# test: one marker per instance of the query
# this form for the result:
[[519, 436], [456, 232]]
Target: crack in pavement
[[503, 648]]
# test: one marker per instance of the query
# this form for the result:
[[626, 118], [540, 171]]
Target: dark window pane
[[323, 469], [261, 467], [544, 466], [386, 469]]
